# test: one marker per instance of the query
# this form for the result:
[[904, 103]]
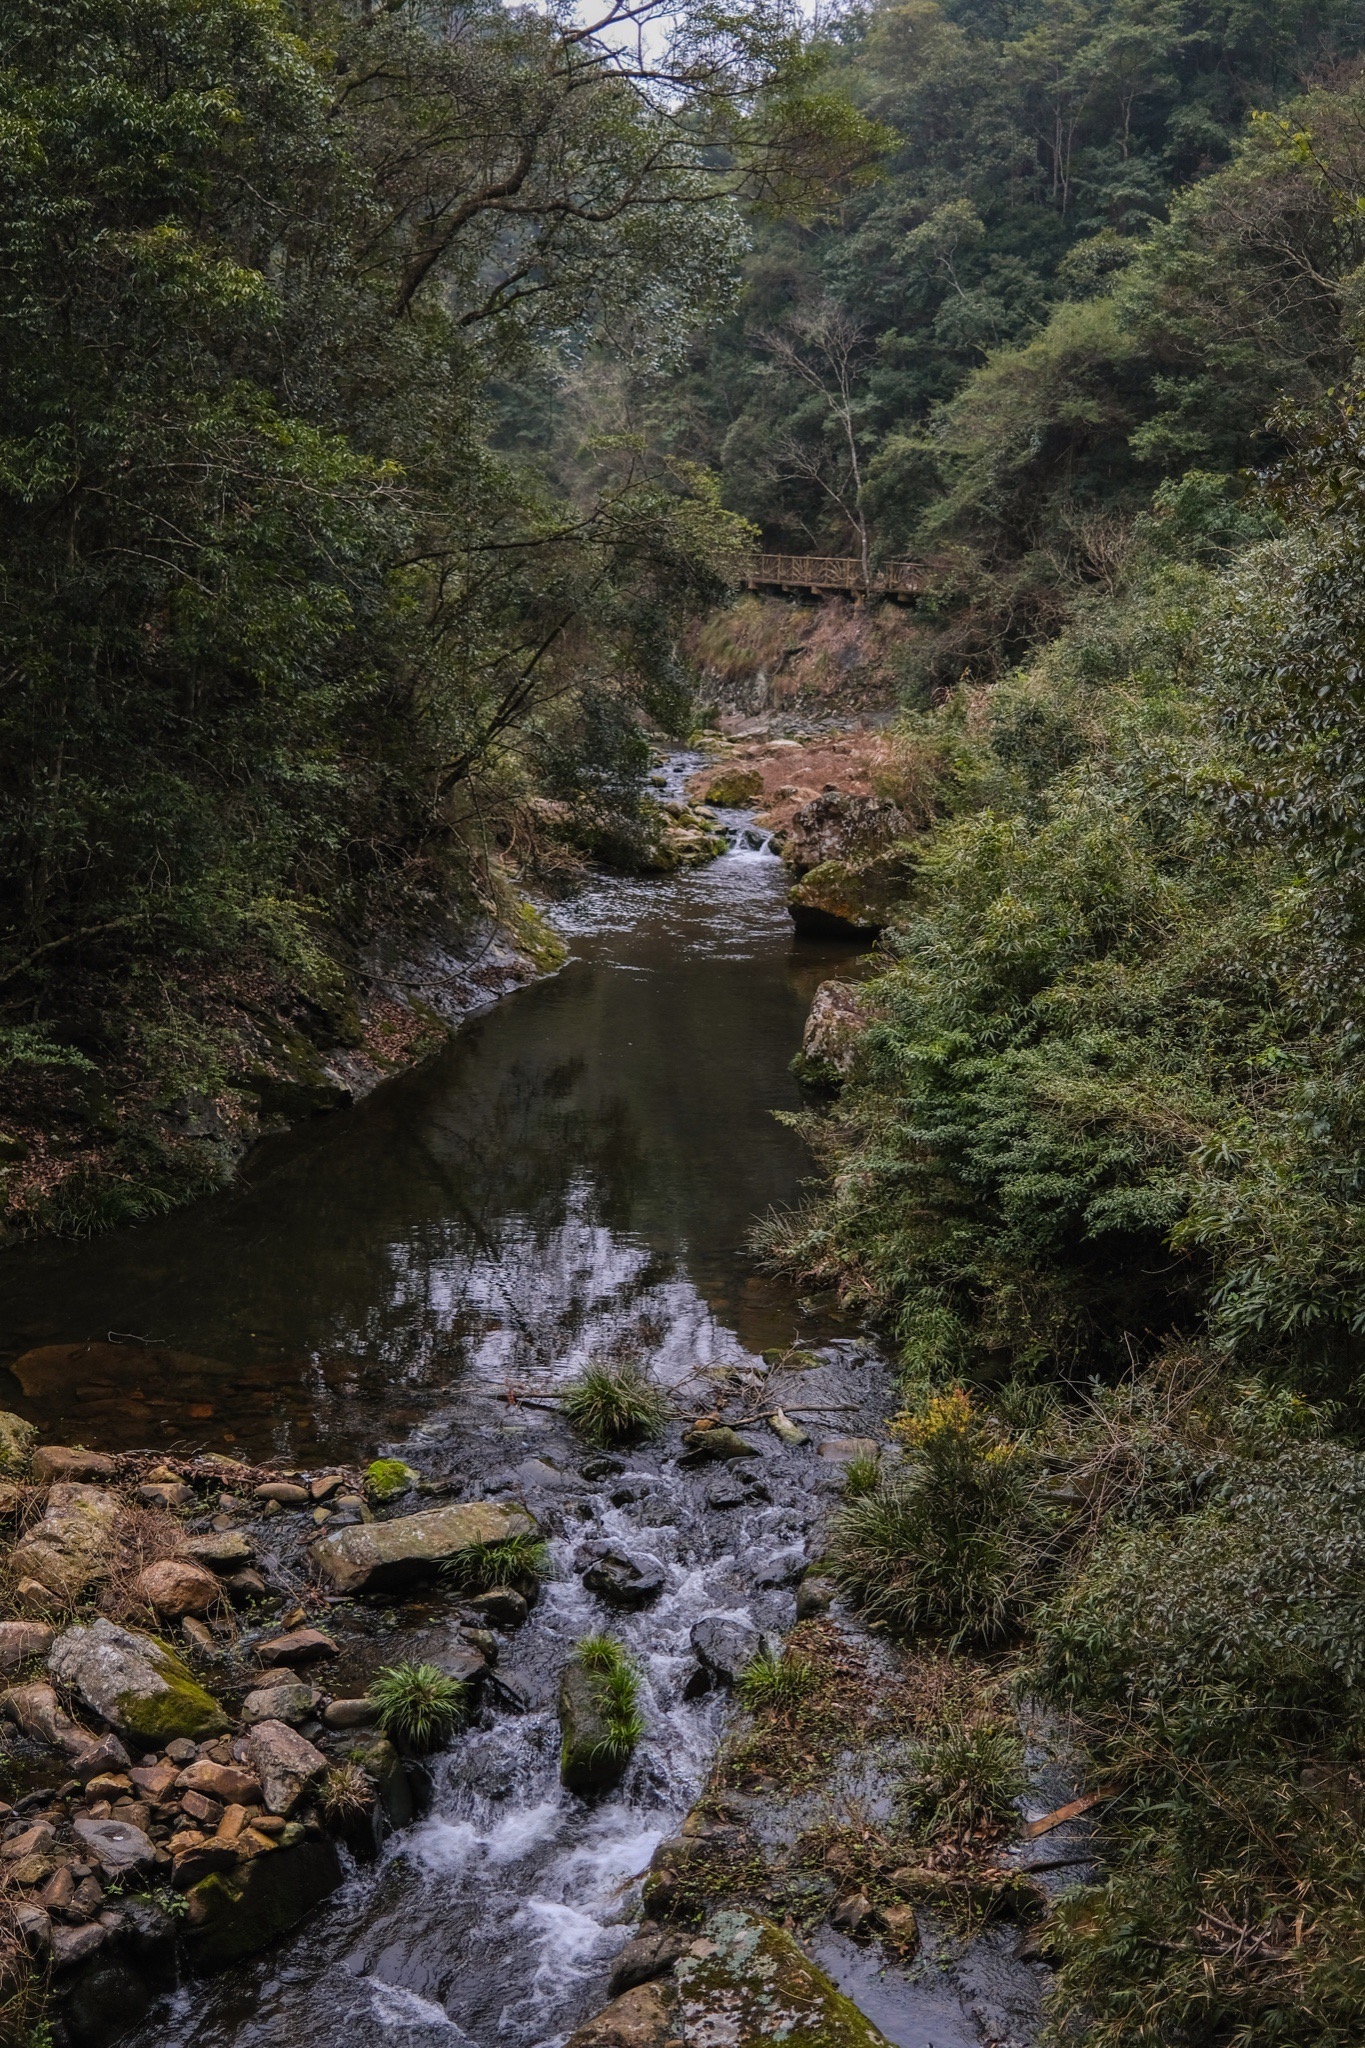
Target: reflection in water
[[582, 1164]]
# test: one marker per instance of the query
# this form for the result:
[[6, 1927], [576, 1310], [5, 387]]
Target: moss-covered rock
[[735, 786], [592, 1753], [17, 1439], [841, 901], [747, 1983], [234, 1913], [388, 1479], [136, 1683], [69, 1550], [372, 1557]]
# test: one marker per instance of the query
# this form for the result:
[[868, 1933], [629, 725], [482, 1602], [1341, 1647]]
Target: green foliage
[[506, 1561], [418, 1705], [616, 1404], [775, 1682], [862, 1475], [968, 1778], [615, 1684], [347, 1793], [952, 1545]]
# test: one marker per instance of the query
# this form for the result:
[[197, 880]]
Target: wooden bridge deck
[[841, 575]]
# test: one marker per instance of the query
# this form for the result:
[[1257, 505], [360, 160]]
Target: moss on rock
[[747, 1982], [388, 1478], [234, 1913]]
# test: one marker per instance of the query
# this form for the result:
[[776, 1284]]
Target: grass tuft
[[616, 1687], [775, 1681], [346, 1793], [418, 1704], [615, 1404], [520, 1561]]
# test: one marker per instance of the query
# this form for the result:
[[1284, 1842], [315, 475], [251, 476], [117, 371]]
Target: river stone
[[221, 1550], [70, 1548], [746, 1983], [639, 2018], [388, 1479], [20, 1640], [584, 1763], [230, 1783], [17, 1439], [285, 1762], [503, 1604], [56, 1461], [814, 1596], [301, 1646], [736, 1490], [36, 1712], [176, 1586], [292, 1703], [234, 1913], [381, 1762], [726, 1644], [135, 1683], [650, 1953], [701, 1445], [780, 1567], [359, 1713], [372, 1557], [116, 1844], [842, 1450], [624, 1578]]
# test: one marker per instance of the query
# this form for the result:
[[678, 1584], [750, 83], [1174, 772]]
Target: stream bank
[[573, 1179]]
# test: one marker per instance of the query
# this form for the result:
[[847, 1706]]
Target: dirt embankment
[[775, 655]]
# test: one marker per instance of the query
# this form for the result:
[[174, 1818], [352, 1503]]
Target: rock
[[70, 1548], [116, 1845], [623, 1578], [372, 1557], [56, 1462], [196, 1862], [201, 1638], [603, 1467], [35, 1710], [780, 1567], [719, 1441], [182, 1750], [40, 1836], [72, 1945], [849, 830], [853, 1914], [381, 1761], [291, 1703], [462, 1662], [166, 1493], [834, 1028], [31, 1596], [651, 1953], [108, 1754], [231, 1783], [725, 1644], [176, 1586], [639, 2018], [840, 901], [735, 786], [13, 1500], [284, 1762], [734, 1490], [325, 1485], [842, 1450], [588, 1761], [153, 1781], [362, 1713], [20, 1640], [245, 1586], [388, 1479], [32, 1924], [108, 1785], [814, 1596], [303, 1646], [234, 1913], [17, 1439], [221, 1550], [790, 1432], [902, 1925], [746, 1982], [284, 1491], [502, 1604], [135, 1683]]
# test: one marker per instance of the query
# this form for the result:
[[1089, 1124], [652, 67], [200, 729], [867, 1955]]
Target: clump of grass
[[346, 1793], [776, 1681], [862, 1475], [616, 1691], [418, 1704], [969, 1777], [615, 1404], [520, 1561], [953, 1543]]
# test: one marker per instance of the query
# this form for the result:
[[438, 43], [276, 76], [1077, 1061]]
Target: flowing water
[[576, 1173]]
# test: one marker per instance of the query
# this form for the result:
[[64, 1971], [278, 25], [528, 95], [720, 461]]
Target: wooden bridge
[[832, 576]]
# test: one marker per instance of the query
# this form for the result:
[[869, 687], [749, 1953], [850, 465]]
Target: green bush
[[520, 1561], [969, 1777], [775, 1682], [615, 1404], [616, 1689]]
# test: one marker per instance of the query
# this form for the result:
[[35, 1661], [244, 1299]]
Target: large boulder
[[589, 1761], [176, 1586], [835, 826], [725, 1645], [834, 1027], [844, 899], [623, 1578], [285, 1762], [746, 1983], [17, 1439], [135, 1683], [374, 1557], [60, 1462], [234, 1913], [69, 1549]]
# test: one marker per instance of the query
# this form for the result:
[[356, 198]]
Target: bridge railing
[[832, 572]]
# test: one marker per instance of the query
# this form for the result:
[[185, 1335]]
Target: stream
[[573, 1177]]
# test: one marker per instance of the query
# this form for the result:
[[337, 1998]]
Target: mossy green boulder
[[389, 1479], [838, 900], [135, 1683], [375, 1557], [234, 1913], [17, 1439], [735, 786], [746, 1982]]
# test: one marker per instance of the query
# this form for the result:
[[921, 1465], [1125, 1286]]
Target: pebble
[[360, 1713], [283, 1492]]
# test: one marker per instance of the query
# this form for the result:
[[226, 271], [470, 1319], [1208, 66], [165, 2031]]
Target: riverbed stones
[[503, 1605], [299, 1646], [135, 1683], [233, 1784], [372, 1557], [175, 1587], [725, 1644], [651, 1953], [389, 1479], [736, 1488], [639, 2018], [745, 1981], [116, 1845], [842, 1450], [21, 1640], [589, 1760], [834, 1029], [292, 1703], [56, 1462], [814, 1596], [285, 1762], [233, 1913], [36, 1711], [719, 1441], [285, 1493], [358, 1713], [623, 1578], [790, 1433], [17, 1439], [69, 1549], [221, 1550]]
